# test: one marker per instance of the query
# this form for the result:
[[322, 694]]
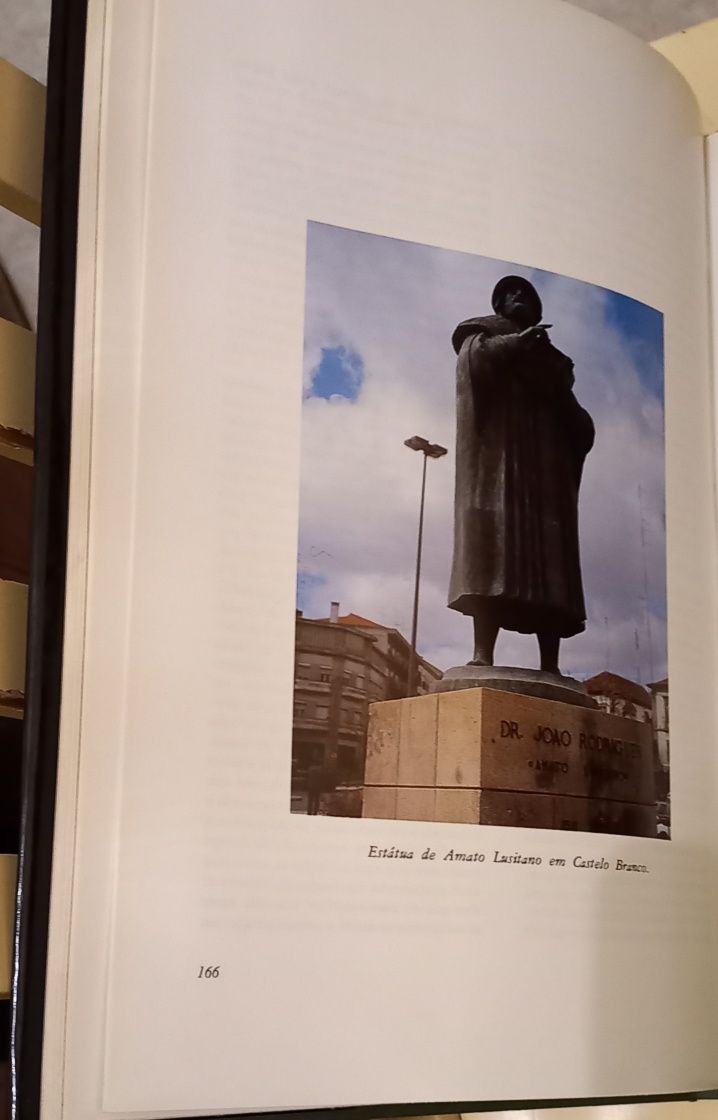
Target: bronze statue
[[521, 440]]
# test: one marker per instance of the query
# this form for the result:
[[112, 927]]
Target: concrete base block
[[480, 756]]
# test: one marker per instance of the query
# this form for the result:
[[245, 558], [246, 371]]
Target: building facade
[[343, 664], [623, 697], [659, 697], [620, 697], [397, 651], [661, 735]]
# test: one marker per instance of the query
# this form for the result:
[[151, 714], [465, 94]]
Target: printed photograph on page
[[481, 573]]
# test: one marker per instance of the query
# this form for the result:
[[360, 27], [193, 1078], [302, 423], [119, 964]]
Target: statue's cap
[[512, 282]]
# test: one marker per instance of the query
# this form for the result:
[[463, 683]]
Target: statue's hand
[[534, 336]]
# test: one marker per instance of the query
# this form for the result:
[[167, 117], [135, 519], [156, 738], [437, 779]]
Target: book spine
[[53, 384]]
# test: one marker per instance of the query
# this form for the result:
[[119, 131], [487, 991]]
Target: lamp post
[[429, 451]]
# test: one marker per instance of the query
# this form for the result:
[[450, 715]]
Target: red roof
[[354, 620], [610, 684], [357, 620]]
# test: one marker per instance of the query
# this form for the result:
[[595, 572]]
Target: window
[[325, 675], [320, 712], [300, 708]]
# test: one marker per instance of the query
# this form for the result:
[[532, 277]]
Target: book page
[[291, 201]]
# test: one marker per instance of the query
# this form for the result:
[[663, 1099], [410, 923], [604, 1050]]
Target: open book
[[279, 855]]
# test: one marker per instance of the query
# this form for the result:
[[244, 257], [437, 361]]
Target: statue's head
[[516, 299]]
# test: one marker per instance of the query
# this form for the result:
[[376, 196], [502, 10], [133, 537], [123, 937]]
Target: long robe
[[521, 440]]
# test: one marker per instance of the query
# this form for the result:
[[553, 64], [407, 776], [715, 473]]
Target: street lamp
[[430, 451]]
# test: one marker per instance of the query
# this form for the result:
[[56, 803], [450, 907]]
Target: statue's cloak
[[521, 440]]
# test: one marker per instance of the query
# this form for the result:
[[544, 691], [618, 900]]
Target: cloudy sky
[[379, 367]]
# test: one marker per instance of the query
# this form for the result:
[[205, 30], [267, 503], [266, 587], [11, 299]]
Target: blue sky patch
[[340, 373], [307, 583], [641, 331]]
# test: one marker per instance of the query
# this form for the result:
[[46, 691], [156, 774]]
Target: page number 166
[[208, 972]]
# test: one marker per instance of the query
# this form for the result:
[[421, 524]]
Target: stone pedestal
[[506, 678], [481, 756]]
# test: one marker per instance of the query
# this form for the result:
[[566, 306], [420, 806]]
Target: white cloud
[[396, 305]]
